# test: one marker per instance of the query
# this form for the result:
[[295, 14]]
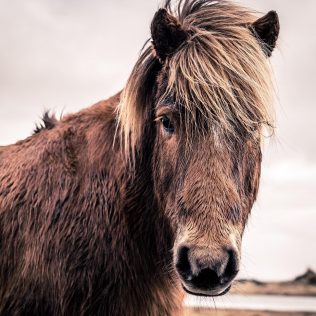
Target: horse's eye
[[167, 124]]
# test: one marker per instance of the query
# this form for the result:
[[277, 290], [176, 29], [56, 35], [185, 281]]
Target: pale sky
[[66, 55]]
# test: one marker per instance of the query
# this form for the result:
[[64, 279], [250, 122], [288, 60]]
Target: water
[[256, 302]]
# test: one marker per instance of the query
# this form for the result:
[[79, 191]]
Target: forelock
[[220, 76]]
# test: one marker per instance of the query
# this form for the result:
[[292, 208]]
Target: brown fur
[[72, 225], [83, 231]]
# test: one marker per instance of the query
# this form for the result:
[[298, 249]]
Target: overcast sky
[[65, 55]]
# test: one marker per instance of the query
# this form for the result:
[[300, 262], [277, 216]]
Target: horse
[[123, 207]]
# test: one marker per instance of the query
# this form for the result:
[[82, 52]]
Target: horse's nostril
[[232, 264], [183, 265]]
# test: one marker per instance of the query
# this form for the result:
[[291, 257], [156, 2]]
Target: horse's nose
[[202, 271]]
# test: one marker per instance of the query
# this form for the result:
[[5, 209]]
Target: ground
[[220, 312]]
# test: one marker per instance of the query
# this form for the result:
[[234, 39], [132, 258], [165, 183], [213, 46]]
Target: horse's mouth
[[206, 293]]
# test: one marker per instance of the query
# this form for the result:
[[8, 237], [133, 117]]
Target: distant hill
[[302, 285], [309, 277]]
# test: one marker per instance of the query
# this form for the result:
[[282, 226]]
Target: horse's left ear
[[267, 30], [167, 34]]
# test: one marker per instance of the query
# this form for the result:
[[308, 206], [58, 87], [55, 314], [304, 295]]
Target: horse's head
[[210, 101]]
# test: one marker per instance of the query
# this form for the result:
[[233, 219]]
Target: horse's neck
[[145, 231], [146, 219], [150, 237], [147, 239]]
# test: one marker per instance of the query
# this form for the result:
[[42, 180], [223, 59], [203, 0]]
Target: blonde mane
[[221, 73]]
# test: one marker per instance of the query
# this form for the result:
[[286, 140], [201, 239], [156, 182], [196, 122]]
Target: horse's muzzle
[[206, 275]]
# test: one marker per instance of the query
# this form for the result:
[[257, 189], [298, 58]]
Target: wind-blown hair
[[220, 74]]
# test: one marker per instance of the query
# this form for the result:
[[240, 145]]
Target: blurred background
[[65, 55]]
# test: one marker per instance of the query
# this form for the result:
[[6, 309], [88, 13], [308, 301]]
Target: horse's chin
[[206, 293]]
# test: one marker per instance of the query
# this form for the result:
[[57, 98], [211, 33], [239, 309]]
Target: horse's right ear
[[167, 34]]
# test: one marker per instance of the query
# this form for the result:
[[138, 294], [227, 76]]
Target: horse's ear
[[267, 30], [167, 34]]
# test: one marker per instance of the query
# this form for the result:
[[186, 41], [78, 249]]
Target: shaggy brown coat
[[92, 205]]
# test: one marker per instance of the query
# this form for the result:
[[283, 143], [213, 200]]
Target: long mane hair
[[220, 74]]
